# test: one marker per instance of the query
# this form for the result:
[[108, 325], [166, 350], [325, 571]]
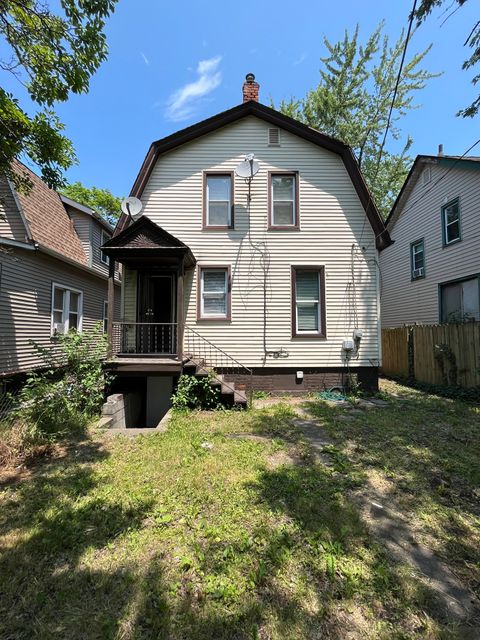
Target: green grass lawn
[[159, 537]]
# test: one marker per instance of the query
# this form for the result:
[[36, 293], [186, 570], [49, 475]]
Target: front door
[[156, 314]]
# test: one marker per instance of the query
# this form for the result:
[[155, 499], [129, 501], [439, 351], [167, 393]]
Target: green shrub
[[70, 391], [195, 393]]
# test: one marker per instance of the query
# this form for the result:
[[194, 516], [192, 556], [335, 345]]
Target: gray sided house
[[431, 274], [263, 280], [53, 276]]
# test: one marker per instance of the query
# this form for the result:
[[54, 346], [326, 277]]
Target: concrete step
[[240, 398]]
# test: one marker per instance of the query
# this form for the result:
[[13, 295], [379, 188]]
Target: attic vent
[[427, 175], [274, 137]]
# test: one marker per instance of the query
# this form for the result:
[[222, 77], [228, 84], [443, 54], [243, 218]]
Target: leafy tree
[[472, 41], [100, 200], [353, 100], [52, 54]]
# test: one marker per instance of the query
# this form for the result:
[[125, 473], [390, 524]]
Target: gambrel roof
[[253, 108]]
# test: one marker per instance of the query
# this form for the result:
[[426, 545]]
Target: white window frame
[[66, 308], [207, 201], [294, 223], [445, 208], [104, 258], [105, 316], [308, 303], [209, 316], [413, 246]]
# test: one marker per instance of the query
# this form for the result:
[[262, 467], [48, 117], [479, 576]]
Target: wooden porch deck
[[144, 364]]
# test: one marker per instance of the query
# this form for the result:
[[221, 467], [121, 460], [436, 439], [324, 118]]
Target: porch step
[[229, 395]]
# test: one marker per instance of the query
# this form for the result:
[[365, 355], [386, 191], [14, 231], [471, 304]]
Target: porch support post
[[180, 307], [111, 305]]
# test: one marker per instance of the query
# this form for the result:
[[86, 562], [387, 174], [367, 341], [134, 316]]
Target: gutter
[[17, 243]]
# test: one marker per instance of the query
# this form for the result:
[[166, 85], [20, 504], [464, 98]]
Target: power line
[[392, 106], [442, 177]]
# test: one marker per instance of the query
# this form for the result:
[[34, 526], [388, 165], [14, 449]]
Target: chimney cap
[[250, 77]]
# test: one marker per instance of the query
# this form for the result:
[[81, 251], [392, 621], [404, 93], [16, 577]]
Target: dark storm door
[[156, 332]]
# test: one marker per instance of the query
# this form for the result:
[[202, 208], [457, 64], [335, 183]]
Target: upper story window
[[451, 222], [308, 304], [214, 293], [105, 237], [283, 201], [417, 259], [67, 309], [218, 201]]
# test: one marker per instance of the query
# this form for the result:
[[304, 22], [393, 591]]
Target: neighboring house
[[53, 276], [431, 274], [275, 282]]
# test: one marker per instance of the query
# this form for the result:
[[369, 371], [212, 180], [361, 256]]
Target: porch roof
[[145, 241]]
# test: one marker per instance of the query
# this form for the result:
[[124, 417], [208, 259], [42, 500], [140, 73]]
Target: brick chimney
[[250, 88]]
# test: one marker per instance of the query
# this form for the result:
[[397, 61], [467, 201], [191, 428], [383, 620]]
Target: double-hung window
[[417, 259], [105, 237], [67, 309], [218, 201], [308, 304], [214, 293], [460, 300], [283, 199], [451, 222]]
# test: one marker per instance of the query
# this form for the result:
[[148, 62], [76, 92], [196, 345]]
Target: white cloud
[[299, 60], [181, 103], [145, 59]]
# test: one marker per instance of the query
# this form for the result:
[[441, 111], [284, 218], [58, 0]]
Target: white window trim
[[415, 253], [208, 200], [293, 200], [202, 294], [105, 316], [104, 258], [448, 224], [309, 302], [66, 307]]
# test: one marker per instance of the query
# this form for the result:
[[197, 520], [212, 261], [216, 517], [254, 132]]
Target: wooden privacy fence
[[444, 354]]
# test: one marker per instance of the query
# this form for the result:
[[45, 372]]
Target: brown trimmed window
[[218, 201], [308, 302], [283, 201], [214, 293]]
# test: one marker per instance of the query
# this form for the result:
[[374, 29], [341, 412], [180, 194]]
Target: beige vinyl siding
[[11, 223], [25, 304], [96, 244], [407, 302], [331, 220], [83, 226]]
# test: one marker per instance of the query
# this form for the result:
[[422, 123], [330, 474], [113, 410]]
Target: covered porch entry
[[152, 315]]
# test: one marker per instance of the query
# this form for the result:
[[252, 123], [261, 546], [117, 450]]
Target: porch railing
[[144, 338], [204, 353]]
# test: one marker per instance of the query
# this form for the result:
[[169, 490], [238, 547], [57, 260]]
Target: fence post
[[411, 354]]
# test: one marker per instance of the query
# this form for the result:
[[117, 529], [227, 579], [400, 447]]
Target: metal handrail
[[146, 338], [203, 352]]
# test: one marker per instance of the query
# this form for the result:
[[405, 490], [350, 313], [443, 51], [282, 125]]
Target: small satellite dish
[[248, 168], [131, 206]]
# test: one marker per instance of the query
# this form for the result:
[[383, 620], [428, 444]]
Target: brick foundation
[[284, 380]]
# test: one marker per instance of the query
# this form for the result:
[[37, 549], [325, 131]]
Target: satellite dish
[[131, 206], [248, 168]]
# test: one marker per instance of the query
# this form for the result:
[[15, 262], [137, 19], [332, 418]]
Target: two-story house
[[431, 274], [273, 275], [53, 275]]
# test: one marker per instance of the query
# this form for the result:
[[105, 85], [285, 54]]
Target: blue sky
[[172, 64]]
